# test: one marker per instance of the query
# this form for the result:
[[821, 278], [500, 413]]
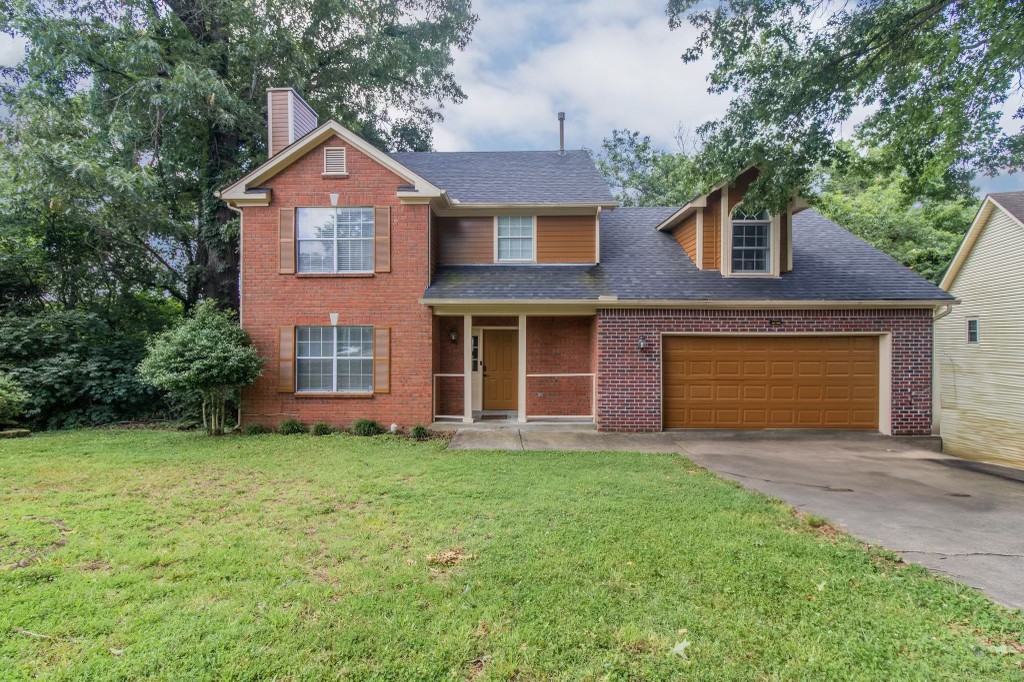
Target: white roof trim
[[291, 153], [977, 225]]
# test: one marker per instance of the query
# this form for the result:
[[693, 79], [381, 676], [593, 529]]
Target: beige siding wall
[[278, 113], [981, 387], [686, 234]]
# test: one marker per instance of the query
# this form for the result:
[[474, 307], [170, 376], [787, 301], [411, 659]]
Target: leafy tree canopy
[[126, 116], [640, 174], [932, 76]]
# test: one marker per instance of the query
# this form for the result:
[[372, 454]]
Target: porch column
[[467, 368], [522, 370]]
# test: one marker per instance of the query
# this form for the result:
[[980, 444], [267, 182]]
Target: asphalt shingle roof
[[511, 177], [640, 263], [1012, 202]]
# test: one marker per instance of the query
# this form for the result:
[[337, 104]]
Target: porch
[[514, 369]]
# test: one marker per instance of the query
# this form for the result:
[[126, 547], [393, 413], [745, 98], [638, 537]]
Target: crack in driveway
[[770, 480]]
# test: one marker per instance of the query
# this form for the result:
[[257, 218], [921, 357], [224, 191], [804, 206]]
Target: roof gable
[[1009, 203], [247, 191]]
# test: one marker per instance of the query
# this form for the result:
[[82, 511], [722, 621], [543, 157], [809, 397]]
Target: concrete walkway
[[959, 517]]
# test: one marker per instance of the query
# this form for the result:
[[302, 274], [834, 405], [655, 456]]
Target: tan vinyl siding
[[566, 239], [713, 232], [278, 104], [465, 240], [981, 386], [686, 234]]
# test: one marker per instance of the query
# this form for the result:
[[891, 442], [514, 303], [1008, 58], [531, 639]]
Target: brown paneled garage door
[[752, 382]]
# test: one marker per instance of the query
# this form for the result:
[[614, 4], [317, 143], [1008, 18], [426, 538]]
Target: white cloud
[[11, 50], [608, 64]]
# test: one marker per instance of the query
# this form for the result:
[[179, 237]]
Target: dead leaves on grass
[[450, 557], [35, 556]]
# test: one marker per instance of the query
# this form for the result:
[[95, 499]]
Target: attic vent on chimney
[[334, 161]]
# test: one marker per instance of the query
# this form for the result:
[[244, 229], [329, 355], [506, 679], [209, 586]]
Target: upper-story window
[[751, 242], [335, 240], [515, 238]]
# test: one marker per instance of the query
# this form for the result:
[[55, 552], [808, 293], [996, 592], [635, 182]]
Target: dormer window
[[515, 238], [751, 242]]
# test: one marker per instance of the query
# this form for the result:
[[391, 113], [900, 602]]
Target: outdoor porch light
[[454, 336], [642, 344]]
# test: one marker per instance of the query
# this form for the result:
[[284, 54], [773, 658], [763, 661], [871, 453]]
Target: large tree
[[126, 115], [641, 174], [931, 79]]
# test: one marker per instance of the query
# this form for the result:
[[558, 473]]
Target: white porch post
[[522, 370], [467, 368]]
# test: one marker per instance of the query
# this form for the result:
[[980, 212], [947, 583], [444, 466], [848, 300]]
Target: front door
[[501, 369]]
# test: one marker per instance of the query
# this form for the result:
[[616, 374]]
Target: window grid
[[751, 242], [334, 359], [335, 240], [515, 238], [972, 330]]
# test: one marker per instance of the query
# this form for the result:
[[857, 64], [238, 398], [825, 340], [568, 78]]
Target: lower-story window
[[334, 359]]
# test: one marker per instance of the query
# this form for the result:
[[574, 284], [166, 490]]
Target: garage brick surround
[[629, 379]]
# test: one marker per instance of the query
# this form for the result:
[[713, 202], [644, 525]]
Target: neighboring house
[[419, 286], [979, 346]]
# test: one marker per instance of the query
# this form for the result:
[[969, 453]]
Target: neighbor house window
[[515, 238], [751, 241], [334, 359], [972, 330], [335, 240]]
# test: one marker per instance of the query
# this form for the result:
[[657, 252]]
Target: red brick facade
[[629, 379], [271, 300], [628, 384]]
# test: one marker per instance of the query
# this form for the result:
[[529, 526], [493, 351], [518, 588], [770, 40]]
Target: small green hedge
[[367, 427], [290, 427]]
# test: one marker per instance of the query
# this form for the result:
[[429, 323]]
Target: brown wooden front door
[[756, 382], [501, 369]]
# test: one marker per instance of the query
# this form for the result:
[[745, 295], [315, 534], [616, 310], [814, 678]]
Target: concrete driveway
[[962, 518]]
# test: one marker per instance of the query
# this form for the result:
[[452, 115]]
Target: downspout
[[936, 377], [238, 417]]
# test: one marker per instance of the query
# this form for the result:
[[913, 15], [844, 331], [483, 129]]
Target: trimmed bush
[[207, 356], [257, 430], [321, 429], [367, 427], [419, 432], [289, 427]]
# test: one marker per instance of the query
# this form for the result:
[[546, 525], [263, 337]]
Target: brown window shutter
[[381, 360], [286, 361], [286, 230], [382, 239]]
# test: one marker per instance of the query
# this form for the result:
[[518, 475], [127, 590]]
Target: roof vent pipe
[[561, 133]]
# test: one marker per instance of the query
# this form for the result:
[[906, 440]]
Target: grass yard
[[142, 554]]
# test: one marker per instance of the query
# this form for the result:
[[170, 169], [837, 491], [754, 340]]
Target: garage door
[[752, 382]]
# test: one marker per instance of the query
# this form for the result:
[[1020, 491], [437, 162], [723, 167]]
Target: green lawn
[[141, 554]]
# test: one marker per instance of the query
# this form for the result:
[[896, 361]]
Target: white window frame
[[765, 220], [977, 331], [335, 240], [333, 358], [498, 238]]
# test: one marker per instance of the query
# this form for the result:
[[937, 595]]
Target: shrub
[[366, 427], [419, 432], [289, 427], [13, 399], [76, 369], [206, 355], [257, 430], [321, 429]]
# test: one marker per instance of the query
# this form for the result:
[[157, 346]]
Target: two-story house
[[414, 287]]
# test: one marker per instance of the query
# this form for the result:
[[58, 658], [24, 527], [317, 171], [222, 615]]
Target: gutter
[[697, 304]]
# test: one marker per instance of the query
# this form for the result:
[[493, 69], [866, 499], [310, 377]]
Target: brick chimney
[[289, 117]]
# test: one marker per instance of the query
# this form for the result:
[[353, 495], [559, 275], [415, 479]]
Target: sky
[[606, 63]]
